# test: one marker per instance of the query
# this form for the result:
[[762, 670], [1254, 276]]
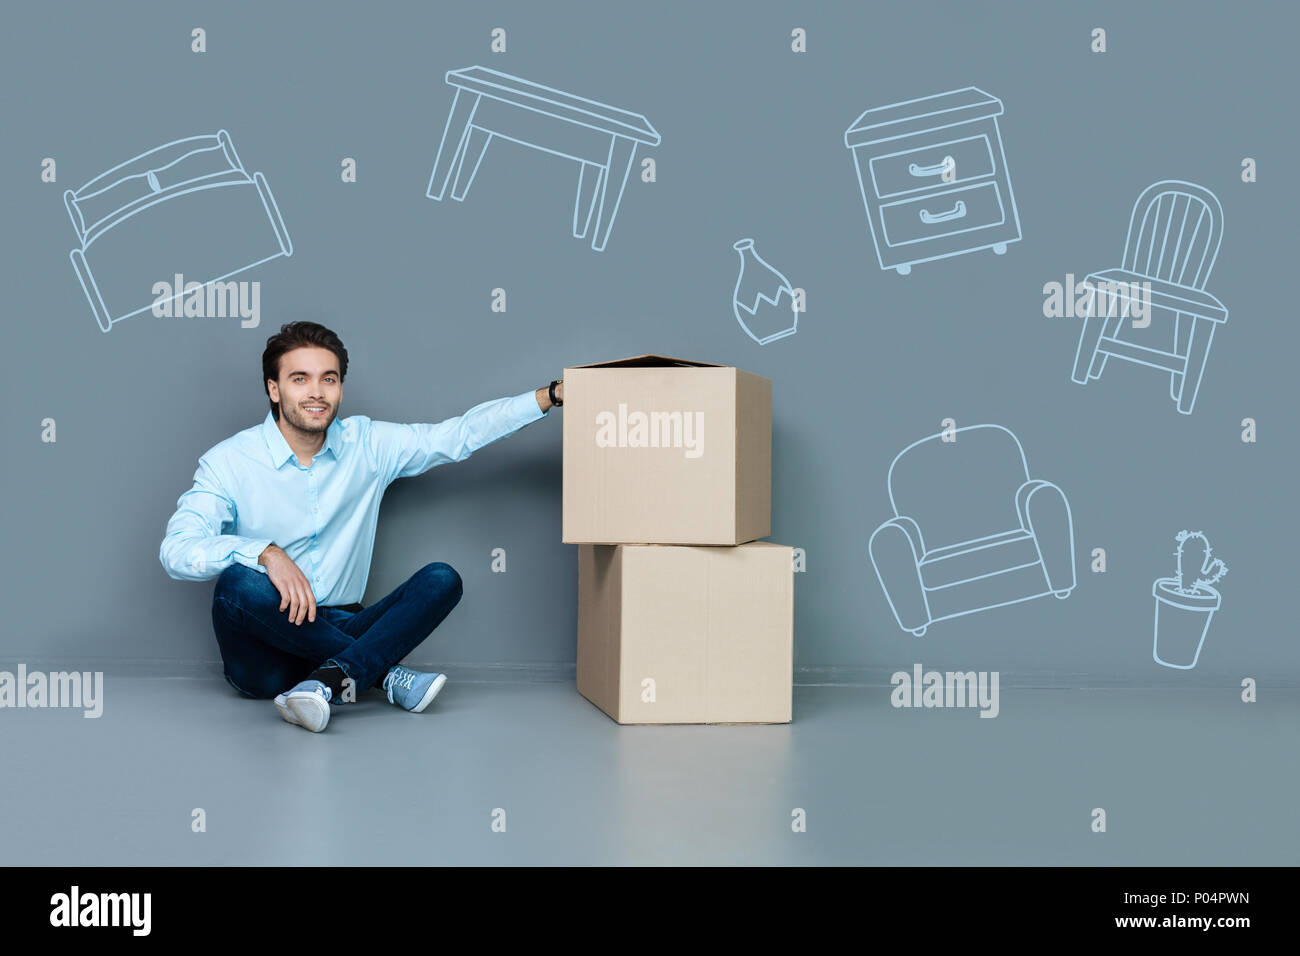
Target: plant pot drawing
[[1181, 629], [1183, 613]]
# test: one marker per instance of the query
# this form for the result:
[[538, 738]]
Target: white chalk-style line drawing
[[198, 180], [1173, 239], [933, 177], [602, 139], [758, 283], [1188, 609], [932, 559]]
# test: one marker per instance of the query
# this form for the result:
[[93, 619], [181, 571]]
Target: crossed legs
[[264, 653]]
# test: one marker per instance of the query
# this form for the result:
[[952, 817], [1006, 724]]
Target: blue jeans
[[265, 653]]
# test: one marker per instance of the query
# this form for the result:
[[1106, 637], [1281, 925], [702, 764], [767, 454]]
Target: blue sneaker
[[306, 704], [412, 689]]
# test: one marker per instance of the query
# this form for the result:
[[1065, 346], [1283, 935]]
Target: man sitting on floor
[[284, 514]]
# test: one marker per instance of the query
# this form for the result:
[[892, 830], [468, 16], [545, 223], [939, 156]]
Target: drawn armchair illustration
[[187, 208], [971, 530], [1173, 240]]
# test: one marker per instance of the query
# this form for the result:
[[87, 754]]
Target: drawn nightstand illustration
[[934, 178]]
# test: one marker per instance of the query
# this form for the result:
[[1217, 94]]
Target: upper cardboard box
[[661, 450], [649, 361]]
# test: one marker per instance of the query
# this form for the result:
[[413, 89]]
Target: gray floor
[[1187, 777]]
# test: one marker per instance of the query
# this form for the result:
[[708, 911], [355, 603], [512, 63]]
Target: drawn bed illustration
[[1173, 239], [971, 530], [602, 139], [186, 208]]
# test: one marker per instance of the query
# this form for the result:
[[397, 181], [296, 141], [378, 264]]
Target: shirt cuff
[[524, 408], [255, 547]]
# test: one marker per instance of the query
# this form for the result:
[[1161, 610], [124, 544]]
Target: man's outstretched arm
[[195, 547], [407, 450]]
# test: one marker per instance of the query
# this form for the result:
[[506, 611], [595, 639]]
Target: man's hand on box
[[544, 396]]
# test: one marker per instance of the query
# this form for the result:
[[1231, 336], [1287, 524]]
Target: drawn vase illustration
[[1183, 614], [763, 302]]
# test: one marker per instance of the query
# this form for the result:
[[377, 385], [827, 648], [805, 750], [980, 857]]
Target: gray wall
[[752, 146]]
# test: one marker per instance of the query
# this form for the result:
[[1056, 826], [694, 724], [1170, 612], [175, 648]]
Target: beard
[[300, 420]]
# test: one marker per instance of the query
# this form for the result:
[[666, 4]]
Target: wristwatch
[[551, 391]]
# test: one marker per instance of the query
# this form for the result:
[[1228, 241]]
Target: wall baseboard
[[530, 672]]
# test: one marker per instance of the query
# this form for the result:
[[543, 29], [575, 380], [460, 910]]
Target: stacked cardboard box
[[683, 615]]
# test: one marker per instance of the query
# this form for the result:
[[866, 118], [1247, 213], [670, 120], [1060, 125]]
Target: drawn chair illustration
[[1173, 240], [971, 530]]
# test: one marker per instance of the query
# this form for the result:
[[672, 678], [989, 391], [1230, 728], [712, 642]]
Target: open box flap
[[649, 361]]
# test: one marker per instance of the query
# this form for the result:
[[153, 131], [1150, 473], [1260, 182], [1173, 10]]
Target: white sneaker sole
[[430, 694], [305, 710]]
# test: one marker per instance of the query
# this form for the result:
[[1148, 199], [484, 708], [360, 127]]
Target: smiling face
[[309, 388]]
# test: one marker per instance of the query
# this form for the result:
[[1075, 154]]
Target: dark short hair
[[296, 335]]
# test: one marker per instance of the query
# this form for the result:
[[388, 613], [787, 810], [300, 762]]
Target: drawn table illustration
[[1173, 238], [971, 530], [187, 208], [934, 178], [602, 139]]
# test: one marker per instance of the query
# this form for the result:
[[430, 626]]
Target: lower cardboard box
[[680, 634]]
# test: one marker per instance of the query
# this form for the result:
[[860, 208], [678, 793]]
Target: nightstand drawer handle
[[946, 164], [956, 212]]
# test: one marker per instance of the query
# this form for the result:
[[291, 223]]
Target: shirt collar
[[280, 450]]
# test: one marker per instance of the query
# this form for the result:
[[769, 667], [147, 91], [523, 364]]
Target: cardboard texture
[[712, 627], [666, 451]]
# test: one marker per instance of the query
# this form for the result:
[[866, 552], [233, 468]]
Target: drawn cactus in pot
[[1184, 610]]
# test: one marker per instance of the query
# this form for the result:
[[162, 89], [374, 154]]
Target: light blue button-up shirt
[[250, 491]]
